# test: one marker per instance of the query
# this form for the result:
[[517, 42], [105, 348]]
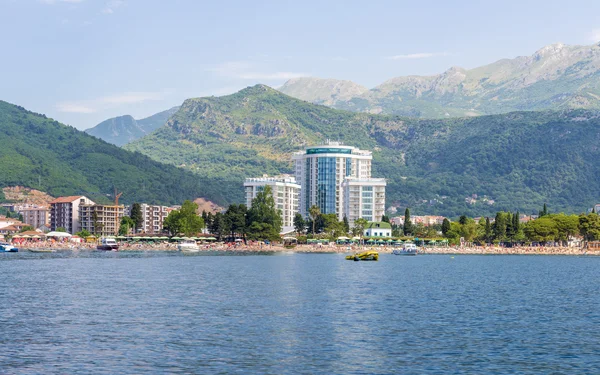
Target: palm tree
[[314, 212]]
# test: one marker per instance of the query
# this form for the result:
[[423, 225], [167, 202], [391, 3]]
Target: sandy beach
[[258, 247]]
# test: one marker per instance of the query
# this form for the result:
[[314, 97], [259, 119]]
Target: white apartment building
[[364, 198], [100, 219], [322, 170], [64, 212], [153, 218], [285, 192], [36, 216]]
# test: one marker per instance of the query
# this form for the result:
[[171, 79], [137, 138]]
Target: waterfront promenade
[[261, 247]]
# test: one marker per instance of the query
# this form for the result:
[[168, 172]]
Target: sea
[[291, 313]]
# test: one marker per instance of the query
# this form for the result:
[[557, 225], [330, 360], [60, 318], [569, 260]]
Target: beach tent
[[58, 234]]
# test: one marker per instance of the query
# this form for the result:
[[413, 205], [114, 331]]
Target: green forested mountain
[[518, 160], [123, 129], [557, 76], [41, 153]]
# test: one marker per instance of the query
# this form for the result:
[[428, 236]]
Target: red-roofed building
[[64, 212]]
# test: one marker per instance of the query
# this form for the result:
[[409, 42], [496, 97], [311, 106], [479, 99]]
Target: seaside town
[[331, 203]]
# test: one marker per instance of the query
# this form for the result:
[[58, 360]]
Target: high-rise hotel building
[[285, 193], [337, 179]]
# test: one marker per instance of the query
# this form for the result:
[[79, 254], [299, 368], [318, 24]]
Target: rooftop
[[378, 225], [70, 199]]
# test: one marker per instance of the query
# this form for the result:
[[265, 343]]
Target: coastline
[[488, 250]]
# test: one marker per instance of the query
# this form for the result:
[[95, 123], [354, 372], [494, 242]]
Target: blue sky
[[83, 61]]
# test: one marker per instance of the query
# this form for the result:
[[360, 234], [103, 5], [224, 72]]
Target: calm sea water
[[161, 313]]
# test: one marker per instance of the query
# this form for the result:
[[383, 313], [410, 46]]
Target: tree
[[385, 219], [516, 224], [462, 220], [544, 211], [333, 227], [83, 233], [96, 223], [566, 225], [136, 216], [61, 229], [445, 226], [359, 227], [217, 225], [26, 228], [235, 219], [299, 223], [488, 230], [408, 227], [314, 211], [127, 224], [264, 217], [541, 230], [589, 226], [347, 224], [500, 226], [185, 220]]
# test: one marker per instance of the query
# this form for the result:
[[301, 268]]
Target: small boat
[[367, 255], [108, 244], [7, 248], [407, 249], [188, 246]]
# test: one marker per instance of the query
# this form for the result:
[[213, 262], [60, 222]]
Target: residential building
[[322, 170], [364, 198], [153, 218], [100, 219], [64, 212], [36, 216], [378, 229], [285, 192]]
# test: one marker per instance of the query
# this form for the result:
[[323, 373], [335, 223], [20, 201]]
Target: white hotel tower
[[337, 179]]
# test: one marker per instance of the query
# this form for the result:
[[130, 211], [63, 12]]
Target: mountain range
[[557, 76], [41, 153], [471, 165], [124, 129]]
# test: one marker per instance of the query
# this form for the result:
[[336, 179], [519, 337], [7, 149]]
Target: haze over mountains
[[557, 76]]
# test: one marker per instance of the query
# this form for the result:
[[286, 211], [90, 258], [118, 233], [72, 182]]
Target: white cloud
[[594, 36], [51, 2], [413, 56], [112, 5], [74, 108], [106, 102], [246, 71]]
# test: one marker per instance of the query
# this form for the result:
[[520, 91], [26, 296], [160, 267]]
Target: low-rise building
[[364, 198], [64, 212], [378, 229], [35, 216], [285, 193], [100, 219]]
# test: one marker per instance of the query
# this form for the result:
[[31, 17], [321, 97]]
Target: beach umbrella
[[343, 238], [210, 239], [164, 238], [175, 238], [26, 236], [36, 236], [17, 236]]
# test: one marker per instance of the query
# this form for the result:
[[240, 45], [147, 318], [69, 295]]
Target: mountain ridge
[[518, 160], [124, 129], [555, 76]]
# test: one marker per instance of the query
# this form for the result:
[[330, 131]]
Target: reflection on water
[[167, 312]]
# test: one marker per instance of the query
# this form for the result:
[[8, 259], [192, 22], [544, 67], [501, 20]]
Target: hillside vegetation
[[518, 160], [40, 153]]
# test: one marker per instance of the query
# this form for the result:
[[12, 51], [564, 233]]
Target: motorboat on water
[[108, 244], [366, 255], [188, 246], [7, 248], [407, 249]]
